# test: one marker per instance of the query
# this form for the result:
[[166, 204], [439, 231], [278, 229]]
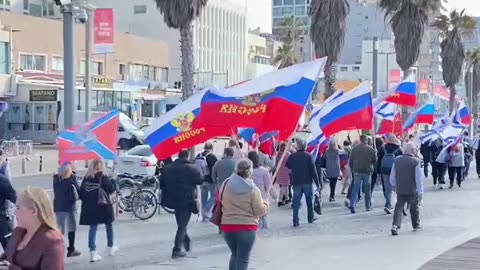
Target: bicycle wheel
[[125, 193], [144, 204]]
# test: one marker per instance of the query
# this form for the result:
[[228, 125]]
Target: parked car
[[137, 161]]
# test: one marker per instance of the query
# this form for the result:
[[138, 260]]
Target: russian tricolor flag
[[317, 145], [351, 111], [274, 101], [174, 131], [423, 115], [462, 116], [316, 110], [405, 93]]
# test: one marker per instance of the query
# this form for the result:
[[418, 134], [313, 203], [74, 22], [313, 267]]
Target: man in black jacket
[[179, 185], [7, 193], [303, 175]]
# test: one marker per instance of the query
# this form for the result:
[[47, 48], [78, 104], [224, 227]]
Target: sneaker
[[352, 210], [450, 187], [176, 254], [347, 204], [440, 186], [394, 230], [313, 220], [388, 210], [331, 199], [94, 257], [73, 253], [368, 209], [418, 229], [112, 251], [436, 186]]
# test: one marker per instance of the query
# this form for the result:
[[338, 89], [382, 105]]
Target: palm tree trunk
[[451, 103], [188, 64], [330, 78]]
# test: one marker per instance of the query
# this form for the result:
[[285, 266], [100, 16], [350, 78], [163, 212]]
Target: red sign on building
[[103, 30]]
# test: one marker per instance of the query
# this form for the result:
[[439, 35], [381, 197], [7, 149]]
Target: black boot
[[71, 252], [187, 244], [176, 254]]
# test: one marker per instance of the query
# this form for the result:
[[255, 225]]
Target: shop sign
[[102, 82], [43, 95]]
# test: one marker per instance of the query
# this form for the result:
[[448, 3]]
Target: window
[[299, 10], [288, 2], [302, 20], [121, 69], [288, 11], [5, 5], [57, 63], [277, 2], [161, 74], [4, 58], [344, 69], [51, 9], [299, 2], [355, 68], [36, 10], [25, 4], [32, 62], [97, 68], [139, 9], [277, 12], [277, 22]]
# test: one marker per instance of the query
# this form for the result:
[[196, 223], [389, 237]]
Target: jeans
[[466, 168], [208, 198], [333, 185], [425, 168], [92, 236], [458, 171], [240, 244], [182, 216], [298, 191], [362, 181], [477, 161], [387, 187], [412, 201], [263, 222]]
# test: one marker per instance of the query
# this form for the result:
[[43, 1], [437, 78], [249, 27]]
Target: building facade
[[34, 64], [260, 56], [219, 38]]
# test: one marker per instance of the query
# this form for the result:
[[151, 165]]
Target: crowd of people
[[237, 190]]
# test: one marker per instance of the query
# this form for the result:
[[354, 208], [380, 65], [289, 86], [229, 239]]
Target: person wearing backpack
[[204, 163], [386, 156]]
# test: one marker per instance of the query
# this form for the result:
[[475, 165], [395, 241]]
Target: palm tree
[[473, 60], [180, 14], [327, 31], [408, 19], [452, 51], [285, 56], [290, 31]]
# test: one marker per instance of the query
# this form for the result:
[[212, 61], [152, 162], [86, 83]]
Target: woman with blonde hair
[[97, 207], [65, 191], [36, 243]]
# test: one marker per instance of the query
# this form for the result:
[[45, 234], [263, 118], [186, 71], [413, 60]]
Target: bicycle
[[144, 199]]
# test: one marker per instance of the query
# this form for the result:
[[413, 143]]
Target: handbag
[[216, 218], [195, 208], [105, 199]]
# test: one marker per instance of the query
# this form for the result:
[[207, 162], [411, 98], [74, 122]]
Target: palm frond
[[180, 13]]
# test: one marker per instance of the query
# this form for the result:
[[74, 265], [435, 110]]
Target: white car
[[137, 161]]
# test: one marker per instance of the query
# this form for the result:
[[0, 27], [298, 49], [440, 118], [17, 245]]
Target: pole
[[472, 128], [387, 73], [69, 67], [88, 63], [375, 67]]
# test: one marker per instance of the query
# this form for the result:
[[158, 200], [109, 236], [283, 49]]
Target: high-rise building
[[364, 22]]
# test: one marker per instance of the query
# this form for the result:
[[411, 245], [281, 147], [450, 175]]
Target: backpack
[[387, 161], [202, 165]]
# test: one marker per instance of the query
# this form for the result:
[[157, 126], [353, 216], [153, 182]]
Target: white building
[[219, 35], [260, 54]]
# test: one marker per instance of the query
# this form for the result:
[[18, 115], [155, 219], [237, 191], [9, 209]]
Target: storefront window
[[147, 108], [101, 100], [126, 102], [117, 100], [108, 101]]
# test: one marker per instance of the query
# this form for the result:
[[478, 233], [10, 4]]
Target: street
[[338, 240]]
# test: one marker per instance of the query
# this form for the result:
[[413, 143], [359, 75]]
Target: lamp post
[[69, 85]]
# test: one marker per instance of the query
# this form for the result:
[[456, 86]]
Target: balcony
[[8, 85]]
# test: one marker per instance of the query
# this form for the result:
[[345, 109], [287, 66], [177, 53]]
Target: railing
[[15, 148]]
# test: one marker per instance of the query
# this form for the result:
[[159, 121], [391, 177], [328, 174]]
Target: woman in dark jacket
[[94, 213], [65, 191]]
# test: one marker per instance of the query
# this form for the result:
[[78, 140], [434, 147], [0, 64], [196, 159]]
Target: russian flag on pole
[[351, 111], [405, 93], [96, 139], [317, 108], [174, 131], [274, 101], [423, 115], [462, 116]]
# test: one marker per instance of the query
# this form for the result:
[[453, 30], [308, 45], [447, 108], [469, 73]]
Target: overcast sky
[[472, 6]]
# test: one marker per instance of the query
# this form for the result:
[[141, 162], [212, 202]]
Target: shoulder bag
[[217, 208]]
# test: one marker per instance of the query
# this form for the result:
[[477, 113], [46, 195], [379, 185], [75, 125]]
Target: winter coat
[[283, 175], [178, 183], [92, 213], [303, 169], [65, 193], [223, 169], [261, 178], [332, 163]]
